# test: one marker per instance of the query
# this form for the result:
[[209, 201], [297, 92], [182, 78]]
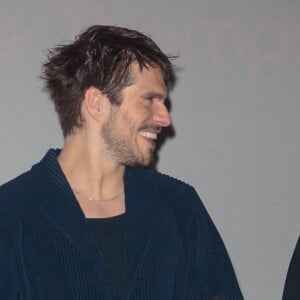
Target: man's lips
[[148, 135], [149, 131]]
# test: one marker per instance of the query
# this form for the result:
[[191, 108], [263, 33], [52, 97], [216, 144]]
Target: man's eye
[[149, 98]]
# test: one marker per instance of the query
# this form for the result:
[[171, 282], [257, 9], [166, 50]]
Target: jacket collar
[[57, 202]]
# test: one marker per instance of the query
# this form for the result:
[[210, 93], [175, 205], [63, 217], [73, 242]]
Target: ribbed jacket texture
[[48, 252]]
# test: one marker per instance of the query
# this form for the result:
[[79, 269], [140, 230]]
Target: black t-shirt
[[110, 233]]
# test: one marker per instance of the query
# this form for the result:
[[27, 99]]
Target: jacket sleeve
[[8, 280], [211, 275], [292, 286]]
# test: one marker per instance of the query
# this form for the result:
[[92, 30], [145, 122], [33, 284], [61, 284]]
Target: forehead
[[149, 78]]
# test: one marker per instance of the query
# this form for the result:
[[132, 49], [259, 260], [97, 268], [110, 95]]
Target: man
[[90, 221]]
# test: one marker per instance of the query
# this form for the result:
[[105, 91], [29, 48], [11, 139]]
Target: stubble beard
[[120, 149]]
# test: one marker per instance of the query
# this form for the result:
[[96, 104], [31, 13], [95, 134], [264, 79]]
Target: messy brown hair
[[99, 57]]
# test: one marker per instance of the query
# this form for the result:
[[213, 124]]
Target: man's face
[[131, 132]]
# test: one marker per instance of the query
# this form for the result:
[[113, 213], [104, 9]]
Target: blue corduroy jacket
[[48, 252]]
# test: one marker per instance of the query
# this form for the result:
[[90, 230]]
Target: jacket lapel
[[141, 199], [59, 205]]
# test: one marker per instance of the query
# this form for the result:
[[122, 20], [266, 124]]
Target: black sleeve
[[8, 282], [211, 272], [292, 282]]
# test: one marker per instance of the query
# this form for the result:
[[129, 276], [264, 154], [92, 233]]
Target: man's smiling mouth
[[148, 135]]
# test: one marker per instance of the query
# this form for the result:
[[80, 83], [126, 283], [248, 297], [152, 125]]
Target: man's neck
[[92, 174]]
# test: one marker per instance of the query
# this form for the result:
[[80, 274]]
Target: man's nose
[[161, 115]]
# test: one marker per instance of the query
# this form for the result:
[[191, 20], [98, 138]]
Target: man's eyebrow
[[155, 95]]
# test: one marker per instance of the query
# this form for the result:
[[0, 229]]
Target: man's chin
[[142, 162]]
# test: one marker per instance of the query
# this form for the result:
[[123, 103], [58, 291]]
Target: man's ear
[[94, 102]]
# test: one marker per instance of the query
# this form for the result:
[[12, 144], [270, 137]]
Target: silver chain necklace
[[98, 200]]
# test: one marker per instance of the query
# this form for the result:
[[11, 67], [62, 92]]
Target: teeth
[[148, 135]]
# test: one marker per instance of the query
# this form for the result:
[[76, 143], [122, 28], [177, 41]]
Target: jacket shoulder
[[170, 190], [164, 181], [12, 192]]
